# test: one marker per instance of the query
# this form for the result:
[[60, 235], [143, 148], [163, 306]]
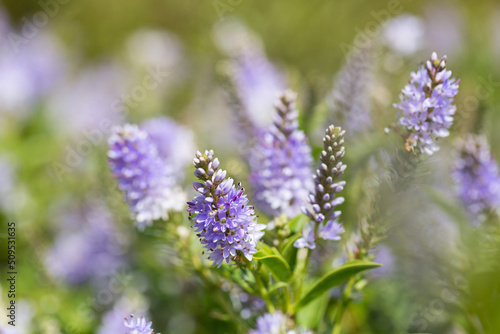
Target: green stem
[[288, 302], [303, 273], [262, 289], [339, 313], [207, 281], [300, 279]]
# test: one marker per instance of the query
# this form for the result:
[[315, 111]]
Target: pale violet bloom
[[144, 175], [138, 325], [100, 91], [404, 34]]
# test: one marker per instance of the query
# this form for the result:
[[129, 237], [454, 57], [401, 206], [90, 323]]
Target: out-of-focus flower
[[145, 177], [384, 255], [154, 48], [131, 303], [426, 107], [87, 245], [29, 72], [99, 91], [404, 34], [324, 201], [476, 175], [256, 80], [173, 141], [350, 100], [221, 216], [280, 162], [276, 323], [246, 304], [138, 325], [160, 52], [444, 28], [235, 39]]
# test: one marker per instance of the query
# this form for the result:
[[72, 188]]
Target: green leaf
[[289, 252], [277, 286], [297, 223], [264, 250], [277, 266], [334, 278], [312, 315]]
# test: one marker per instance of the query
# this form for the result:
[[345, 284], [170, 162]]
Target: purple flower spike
[[221, 216], [476, 175], [426, 107], [280, 163], [323, 202], [150, 188], [174, 143], [139, 326]]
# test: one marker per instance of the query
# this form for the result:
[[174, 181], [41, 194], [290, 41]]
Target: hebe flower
[[476, 175], [254, 79], [426, 106], [173, 141], [280, 163], [146, 178], [275, 323], [221, 216], [139, 326], [323, 201]]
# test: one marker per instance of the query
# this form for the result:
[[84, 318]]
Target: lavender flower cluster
[[476, 175], [138, 325], [283, 181], [323, 201], [221, 216], [280, 163], [143, 174], [426, 106]]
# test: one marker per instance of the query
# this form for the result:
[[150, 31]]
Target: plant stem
[[207, 281], [262, 289], [339, 313], [304, 269], [288, 302], [300, 279]]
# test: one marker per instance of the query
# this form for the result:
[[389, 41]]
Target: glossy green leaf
[[289, 252], [264, 250], [277, 286], [297, 223], [277, 266], [334, 278]]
